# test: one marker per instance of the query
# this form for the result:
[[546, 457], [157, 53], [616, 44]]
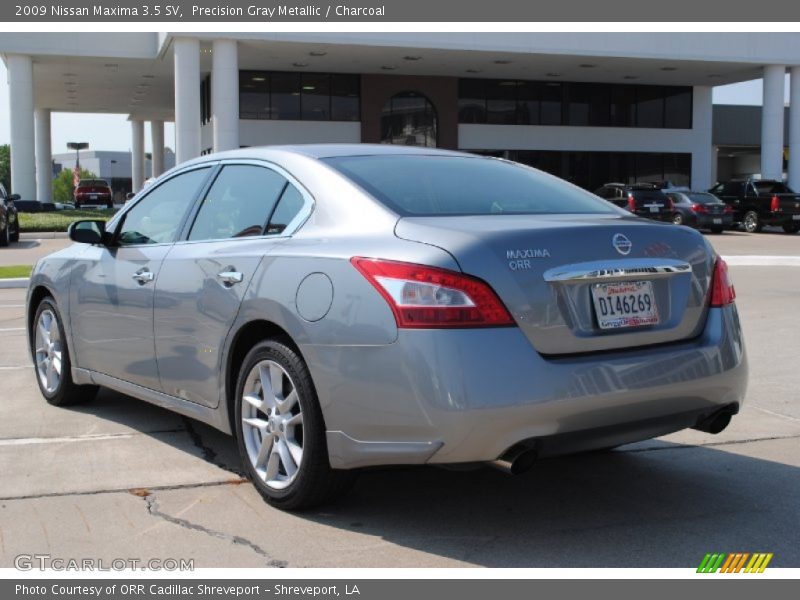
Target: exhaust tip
[[718, 421], [515, 461]]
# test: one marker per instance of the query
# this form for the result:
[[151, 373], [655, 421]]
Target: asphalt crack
[[207, 453], [126, 490], [153, 510]]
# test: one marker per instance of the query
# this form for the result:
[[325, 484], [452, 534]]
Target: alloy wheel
[[272, 424], [49, 351]]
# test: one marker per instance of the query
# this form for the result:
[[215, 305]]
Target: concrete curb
[[43, 235], [14, 282]]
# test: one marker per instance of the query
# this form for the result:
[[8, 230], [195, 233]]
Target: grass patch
[[15, 271], [60, 220]]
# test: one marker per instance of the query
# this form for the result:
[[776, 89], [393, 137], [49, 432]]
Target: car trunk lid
[[545, 269]]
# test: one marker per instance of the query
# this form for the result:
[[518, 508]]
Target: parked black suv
[[760, 202], [642, 199], [9, 219]]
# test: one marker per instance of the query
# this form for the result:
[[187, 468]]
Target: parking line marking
[[756, 260], [12, 305], [16, 367], [13, 329], [89, 437]]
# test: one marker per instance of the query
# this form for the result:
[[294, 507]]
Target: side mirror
[[13, 197], [129, 196], [88, 232]]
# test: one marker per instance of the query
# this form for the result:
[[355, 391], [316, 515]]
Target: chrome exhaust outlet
[[515, 461], [718, 421]]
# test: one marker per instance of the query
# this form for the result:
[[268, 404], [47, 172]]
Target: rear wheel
[[5, 235], [717, 229], [280, 430], [51, 359], [14, 236], [677, 219], [791, 227], [751, 222]]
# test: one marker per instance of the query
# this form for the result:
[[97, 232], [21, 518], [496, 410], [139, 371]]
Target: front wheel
[[791, 227], [5, 236], [280, 430], [51, 359], [677, 219], [751, 222], [717, 229]]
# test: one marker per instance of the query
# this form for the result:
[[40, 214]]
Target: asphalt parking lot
[[119, 478]]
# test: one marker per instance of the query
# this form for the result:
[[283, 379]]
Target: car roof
[[332, 150]]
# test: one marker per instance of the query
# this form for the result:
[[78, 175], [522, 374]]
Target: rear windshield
[[420, 185], [770, 187], [703, 198], [92, 183]]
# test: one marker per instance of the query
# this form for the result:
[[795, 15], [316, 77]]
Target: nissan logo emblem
[[621, 243]]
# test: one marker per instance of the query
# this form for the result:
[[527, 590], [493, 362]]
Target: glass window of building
[[345, 95], [678, 107], [501, 102], [315, 97], [550, 96], [254, 95], [528, 102], [285, 95], [409, 119], [471, 101], [649, 106], [622, 105]]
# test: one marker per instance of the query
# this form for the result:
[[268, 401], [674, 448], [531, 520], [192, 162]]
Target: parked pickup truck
[[761, 202]]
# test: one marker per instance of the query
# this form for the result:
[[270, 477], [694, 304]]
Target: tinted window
[[550, 104], [733, 188], [289, 206], [345, 94], [254, 95], [501, 102], [528, 103], [155, 219], [409, 118], [238, 204], [771, 187], [703, 198], [471, 101], [649, 107], [622, 105], [285, 88], [445, 185], [678, 108], [316, 97]]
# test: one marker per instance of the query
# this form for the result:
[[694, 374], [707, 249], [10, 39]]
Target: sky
[[113, 132]]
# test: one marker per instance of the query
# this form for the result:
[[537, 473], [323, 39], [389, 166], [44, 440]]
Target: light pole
[[77, 146]]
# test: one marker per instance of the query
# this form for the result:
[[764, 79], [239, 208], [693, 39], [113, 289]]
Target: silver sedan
[[342, 306]]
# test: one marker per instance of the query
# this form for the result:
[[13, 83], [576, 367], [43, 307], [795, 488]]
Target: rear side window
[[238, 204], [703, 198], [425, 185], [771, 187], [289, 206]]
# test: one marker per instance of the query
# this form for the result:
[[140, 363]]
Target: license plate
[[92, 196], [796, 217], [654, 209], [717, 221], [628, 304]]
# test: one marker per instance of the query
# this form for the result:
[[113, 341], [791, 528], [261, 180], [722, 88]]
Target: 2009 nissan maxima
[[343, 306]]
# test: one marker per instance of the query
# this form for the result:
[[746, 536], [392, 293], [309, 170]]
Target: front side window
[[238, 203], [425, 185], [156, 218]]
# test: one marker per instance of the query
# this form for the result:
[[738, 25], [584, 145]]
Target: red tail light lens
[[631, 203], [728, 208], [430, 298], [699, 208], [722, 290], [670, 203], [775, 206]]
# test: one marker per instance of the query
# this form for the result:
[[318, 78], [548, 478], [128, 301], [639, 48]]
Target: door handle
[[143, 276], [230, 277]]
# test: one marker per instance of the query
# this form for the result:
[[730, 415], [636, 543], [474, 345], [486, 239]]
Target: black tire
[[677, 219], [5, 236], [717, 229], [68, 392], [14, 237], [791, 228], [316, 482], [751, 222]]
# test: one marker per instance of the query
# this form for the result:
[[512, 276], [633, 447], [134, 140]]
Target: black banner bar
[[377, 11]]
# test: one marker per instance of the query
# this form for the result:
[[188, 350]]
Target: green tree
[[5, 166], [63, 190]]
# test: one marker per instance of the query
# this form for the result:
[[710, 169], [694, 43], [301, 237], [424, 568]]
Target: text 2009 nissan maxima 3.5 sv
[[343, 306]]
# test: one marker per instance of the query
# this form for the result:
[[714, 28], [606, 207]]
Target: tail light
[[728, 208], [699, 208], [775, 206], [722, 290], [670, 204], [631, 203], [424, 297]]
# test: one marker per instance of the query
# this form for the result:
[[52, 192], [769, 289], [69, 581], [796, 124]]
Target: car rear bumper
[[780, 219], [469, 395], [709, 221]]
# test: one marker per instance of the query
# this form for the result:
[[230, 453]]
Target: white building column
[[772, 123], [20, 103], [157, 141], [187, 98], [794, 129], [44, 156], [137, 155], [703, 155], [225, 94]]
